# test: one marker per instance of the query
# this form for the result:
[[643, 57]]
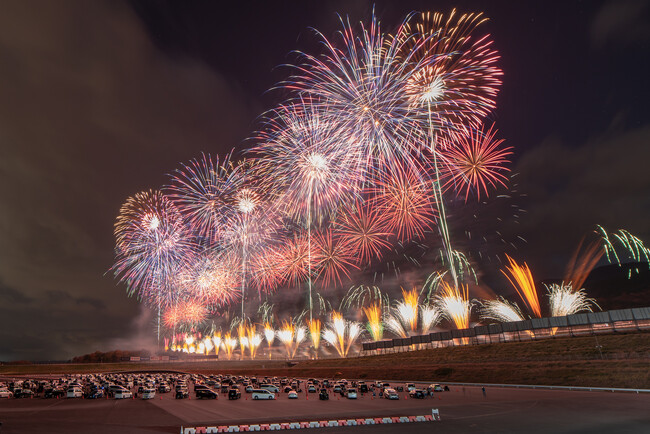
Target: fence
[[580, 324]]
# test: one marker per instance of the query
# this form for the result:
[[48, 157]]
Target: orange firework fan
[[374, 317], [314, 333], [522, 280]]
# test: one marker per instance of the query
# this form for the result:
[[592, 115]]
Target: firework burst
[[152, 245], [475, 162], [454, 73], [363, 227]]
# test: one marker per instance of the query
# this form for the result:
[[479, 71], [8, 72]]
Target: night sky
[[102, 99]]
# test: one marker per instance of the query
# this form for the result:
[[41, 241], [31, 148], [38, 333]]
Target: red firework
[[363, 227], [334, 258], [403, 196], [474, 162]]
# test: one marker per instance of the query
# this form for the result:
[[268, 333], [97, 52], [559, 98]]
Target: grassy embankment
[[566, 361]]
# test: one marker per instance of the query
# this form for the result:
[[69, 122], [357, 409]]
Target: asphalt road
[[462, 410]]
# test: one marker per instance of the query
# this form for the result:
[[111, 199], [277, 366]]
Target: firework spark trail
[[286, 334], [375, 324], [404, 317], [254, 340], [501, 310], [579, 266], [217, 341], [229, 344], [301, 335], [522, 281], [430, 316], [253, 221], [341, 334], [563, 300], [632, 246], [314, 333], [454, 304]]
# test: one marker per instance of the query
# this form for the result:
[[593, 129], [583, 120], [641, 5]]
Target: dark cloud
[[92, 112], [621, 22], [10, 295]]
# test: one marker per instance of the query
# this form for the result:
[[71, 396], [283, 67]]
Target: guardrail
[[539, 386]]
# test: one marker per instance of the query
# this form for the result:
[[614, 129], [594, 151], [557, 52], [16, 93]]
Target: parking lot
[[462, 410]]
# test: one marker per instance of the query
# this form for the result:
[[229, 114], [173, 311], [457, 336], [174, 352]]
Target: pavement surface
[[462, 410]]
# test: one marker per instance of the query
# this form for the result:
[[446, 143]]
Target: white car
[[6, 393], [123, 394], [391, 394], [270, 387], [74, 392], [351, 393], [262, 394], [293, 395], [149, 393], [410, 387]]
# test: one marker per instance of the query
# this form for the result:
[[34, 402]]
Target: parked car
[[19, 392], [182, 393], [311, 388], [164, 388], [435, 388], [206, 393], [148, 393], [234, 393], [74, 392], [390, 393], [95, 394], [323, 395], [6, 393], [123, 393], [293, 394], [363, 387], [262, 394], [55, 392], [249, 389], [417, 393], [351, 393], [270, 387]]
